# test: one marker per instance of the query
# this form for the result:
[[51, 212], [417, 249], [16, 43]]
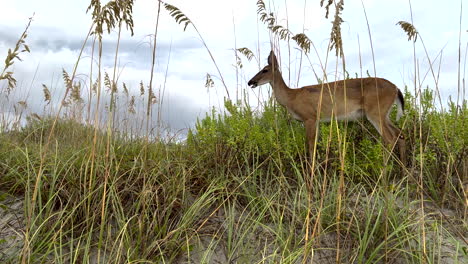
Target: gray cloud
[[49, 47], [133, 49]]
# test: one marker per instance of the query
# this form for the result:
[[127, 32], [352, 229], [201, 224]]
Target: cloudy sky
[[59, 28]]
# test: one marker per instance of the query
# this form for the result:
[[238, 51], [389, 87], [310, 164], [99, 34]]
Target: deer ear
[[272, 59]]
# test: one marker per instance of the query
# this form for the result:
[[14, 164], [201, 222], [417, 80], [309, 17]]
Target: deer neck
[[280, 89]]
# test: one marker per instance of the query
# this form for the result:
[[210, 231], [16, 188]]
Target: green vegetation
[[238, 189]]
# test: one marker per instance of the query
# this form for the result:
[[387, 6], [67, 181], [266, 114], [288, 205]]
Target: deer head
[[266, 75]]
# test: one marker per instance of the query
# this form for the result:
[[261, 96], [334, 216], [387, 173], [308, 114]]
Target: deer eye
[[265, 71]]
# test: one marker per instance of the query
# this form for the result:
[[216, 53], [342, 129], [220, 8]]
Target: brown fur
[[344, 100]]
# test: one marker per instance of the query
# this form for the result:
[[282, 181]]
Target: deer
[[342, 100]]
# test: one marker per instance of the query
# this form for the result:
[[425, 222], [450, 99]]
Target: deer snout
[[252, 83]]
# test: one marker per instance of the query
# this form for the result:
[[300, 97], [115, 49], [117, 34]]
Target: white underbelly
[[351, 116]]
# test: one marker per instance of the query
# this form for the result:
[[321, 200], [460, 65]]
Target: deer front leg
[[310, 127]]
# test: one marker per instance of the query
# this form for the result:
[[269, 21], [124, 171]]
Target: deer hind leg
[[400, 139], [390, 134]]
